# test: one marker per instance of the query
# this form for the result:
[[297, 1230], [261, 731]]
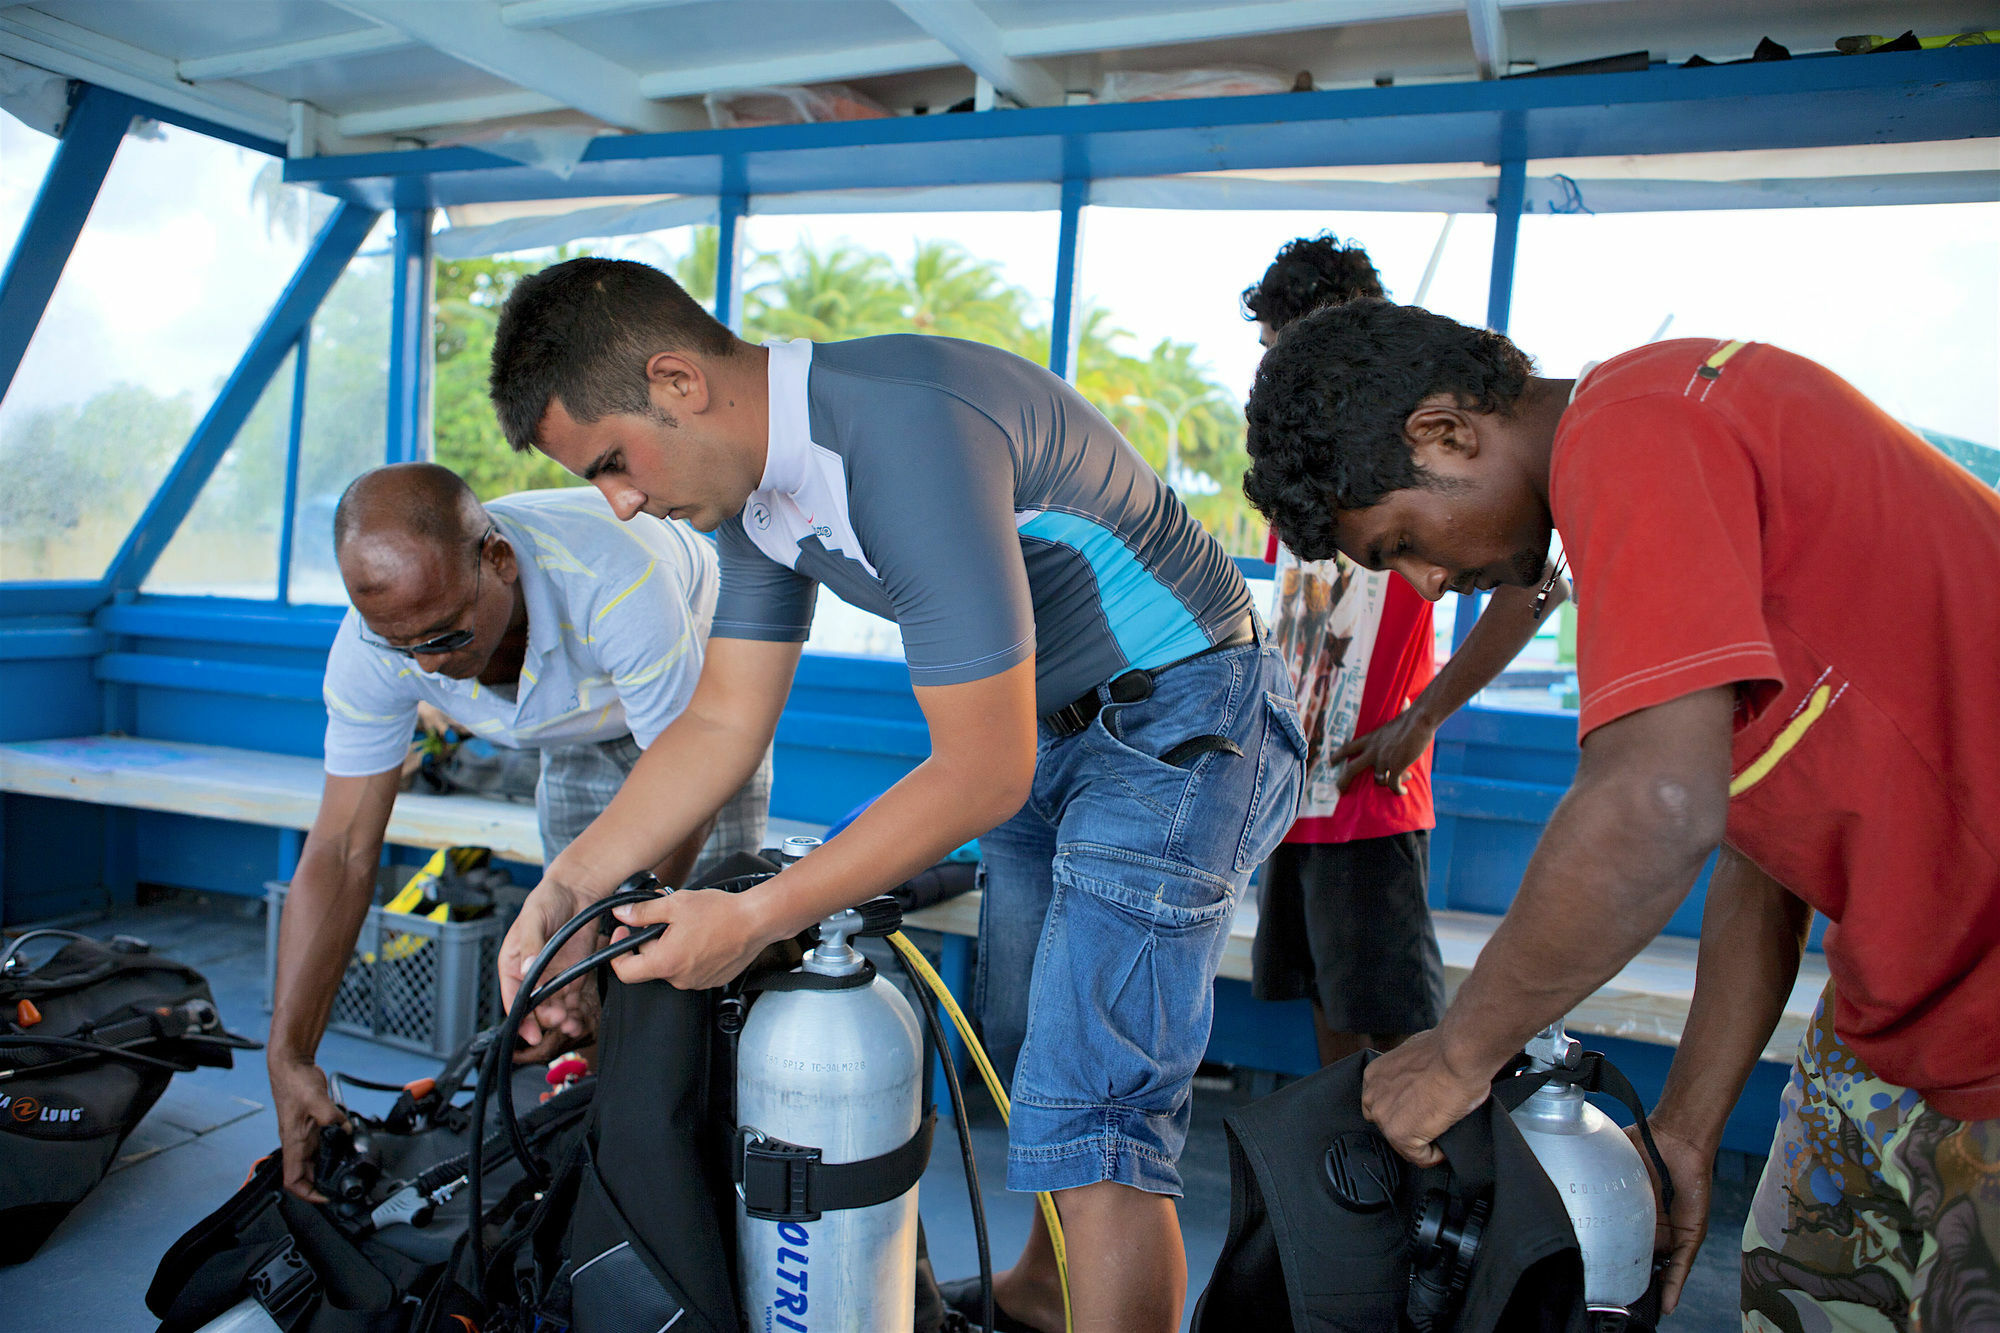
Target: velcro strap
[[787, 1182]]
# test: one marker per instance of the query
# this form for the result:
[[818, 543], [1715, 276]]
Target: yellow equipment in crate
[[435, 894]]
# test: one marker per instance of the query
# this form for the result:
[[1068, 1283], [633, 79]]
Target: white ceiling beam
[[437, 115], [856, 62], [548, 13], [290, 55], [1489, 37], [1223, 21], [539, 62], [78, 53], [981, 47]]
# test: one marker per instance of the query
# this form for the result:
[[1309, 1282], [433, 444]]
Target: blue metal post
[[331, 250], [730, 211], [1507, 220], [409, 338], [90, 140], [293, 436], [1065, 329]]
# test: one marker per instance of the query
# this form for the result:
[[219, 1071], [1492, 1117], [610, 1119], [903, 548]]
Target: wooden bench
[[1647, 1001], [278, 791]]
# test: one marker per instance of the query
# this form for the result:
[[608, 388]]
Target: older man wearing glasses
[[537, 622]]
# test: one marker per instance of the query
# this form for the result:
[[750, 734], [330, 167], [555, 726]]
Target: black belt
[[1076, 716]]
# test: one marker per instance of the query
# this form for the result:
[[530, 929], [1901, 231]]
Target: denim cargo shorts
[[1108, 902]]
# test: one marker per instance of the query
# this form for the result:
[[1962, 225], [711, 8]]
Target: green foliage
[[465, 432], [104, 454]]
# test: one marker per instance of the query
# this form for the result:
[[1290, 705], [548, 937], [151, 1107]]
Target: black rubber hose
[[928, 1004], [92, 1047], [497, 1068]]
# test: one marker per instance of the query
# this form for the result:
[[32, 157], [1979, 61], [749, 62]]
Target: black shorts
[[1348, 922]]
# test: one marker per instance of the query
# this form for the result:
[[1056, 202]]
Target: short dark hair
[[1308, 273], [1327, 410], [581, 332]]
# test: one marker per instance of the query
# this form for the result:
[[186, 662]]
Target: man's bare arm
[[1620, 853], [1496, 639], [981, 765], [1753, 934], [331, 891], [689, 771]]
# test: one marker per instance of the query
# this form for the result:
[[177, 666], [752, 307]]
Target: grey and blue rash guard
[[982, 504]]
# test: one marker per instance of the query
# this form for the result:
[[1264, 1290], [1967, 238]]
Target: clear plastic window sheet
[[187, 247], [228, 544], [1166, 352], [25, 155], [346, 411], [1903, 302]]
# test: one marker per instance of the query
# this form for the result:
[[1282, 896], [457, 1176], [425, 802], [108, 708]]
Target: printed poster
[[1327, 615]]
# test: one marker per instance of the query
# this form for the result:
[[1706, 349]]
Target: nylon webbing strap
[[800, 979], [787, 1182]]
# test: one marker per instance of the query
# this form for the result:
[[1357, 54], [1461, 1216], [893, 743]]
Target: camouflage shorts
[[1874, 1212]]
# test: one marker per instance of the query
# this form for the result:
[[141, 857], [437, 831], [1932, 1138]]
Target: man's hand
[[711, 937], [298, 1090], [570, 1016], [1679, 1233], [1412, 1094], [1387, 752]]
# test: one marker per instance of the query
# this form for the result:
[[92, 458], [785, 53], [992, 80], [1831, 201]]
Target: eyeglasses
[[451, 640]]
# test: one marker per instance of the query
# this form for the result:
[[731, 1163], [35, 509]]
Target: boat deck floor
[[191, 1152]]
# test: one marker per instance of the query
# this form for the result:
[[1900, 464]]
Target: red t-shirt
[[1402, 663], [1747, 518]]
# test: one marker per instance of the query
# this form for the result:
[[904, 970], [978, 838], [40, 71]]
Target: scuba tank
[[1598, 1172], [830, 1071]]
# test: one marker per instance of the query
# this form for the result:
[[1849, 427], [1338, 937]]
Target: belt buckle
[[1069, 720]]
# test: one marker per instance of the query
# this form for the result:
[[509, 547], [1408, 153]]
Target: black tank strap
[[787, 1182], [1593, 1073], [799, 979]]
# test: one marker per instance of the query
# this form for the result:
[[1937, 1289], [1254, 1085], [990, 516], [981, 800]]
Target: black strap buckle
[[775, 1177], [283, 1282]]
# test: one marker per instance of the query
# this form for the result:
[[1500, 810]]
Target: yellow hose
[[922, 967]]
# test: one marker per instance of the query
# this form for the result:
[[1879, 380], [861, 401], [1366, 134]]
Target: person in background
[[537, 621], [1344, 920], [1789, 655]]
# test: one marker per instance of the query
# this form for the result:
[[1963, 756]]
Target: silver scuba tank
[[840, 1071], [1600, 1175]]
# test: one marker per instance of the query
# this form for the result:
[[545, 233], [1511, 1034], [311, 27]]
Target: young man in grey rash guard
[[1102, 703]]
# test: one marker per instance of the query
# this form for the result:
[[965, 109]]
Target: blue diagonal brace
[[90, 140], [324, 263]]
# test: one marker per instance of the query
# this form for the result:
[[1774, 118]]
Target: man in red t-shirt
[[1788, 647], [1344, 918]]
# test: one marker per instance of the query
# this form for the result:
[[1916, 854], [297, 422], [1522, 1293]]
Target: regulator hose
[[915, 959], [643, 887]]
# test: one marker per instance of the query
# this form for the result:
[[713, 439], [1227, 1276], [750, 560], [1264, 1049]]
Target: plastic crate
[[422, 985]]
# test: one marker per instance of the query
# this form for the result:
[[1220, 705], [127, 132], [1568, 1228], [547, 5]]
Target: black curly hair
[[1326, 412], [1308, 273]]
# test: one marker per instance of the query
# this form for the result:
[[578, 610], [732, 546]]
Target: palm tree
[[842, 292], [949, 292]]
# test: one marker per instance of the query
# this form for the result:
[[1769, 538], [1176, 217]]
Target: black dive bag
[[1331, 1232], [375, 1257], [88, 1042]]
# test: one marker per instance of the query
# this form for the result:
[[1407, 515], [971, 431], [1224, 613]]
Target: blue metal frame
[[1812, 101], [410, 281], [295, 432], [331, 250], [1065, 329], [95, 128], [730, 211]]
